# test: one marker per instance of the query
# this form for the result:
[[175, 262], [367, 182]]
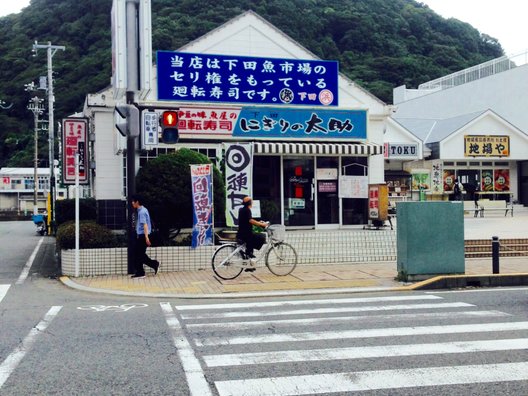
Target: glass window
[[266, 186], [355, 210]]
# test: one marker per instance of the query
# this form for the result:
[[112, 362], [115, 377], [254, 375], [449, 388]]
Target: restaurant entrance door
[[299, 191]]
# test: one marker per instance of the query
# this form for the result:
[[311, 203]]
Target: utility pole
[[51, 50], [35, 106]]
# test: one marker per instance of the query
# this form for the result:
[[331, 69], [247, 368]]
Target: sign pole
[[77, 214]]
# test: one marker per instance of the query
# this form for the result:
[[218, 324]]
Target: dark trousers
[[253, 241], [141, 257]]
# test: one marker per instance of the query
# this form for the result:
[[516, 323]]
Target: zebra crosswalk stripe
[[254, 313], [340, 319], [3, 291], [312, 355], [363, 333], [290, 303], [374, 380]]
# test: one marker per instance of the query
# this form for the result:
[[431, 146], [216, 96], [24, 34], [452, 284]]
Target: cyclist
[[245, 232]]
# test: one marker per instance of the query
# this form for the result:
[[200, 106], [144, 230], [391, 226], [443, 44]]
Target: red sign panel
[[74, 139]]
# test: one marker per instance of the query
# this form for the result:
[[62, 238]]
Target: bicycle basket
[[277, 232]]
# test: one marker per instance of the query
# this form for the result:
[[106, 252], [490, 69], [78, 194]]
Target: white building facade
[[303, 176], [473, 126]]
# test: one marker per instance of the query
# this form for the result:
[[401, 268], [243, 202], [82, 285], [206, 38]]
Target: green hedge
[[65, 210], [91, 236]]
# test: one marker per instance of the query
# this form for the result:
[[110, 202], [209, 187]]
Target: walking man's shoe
[[138, 276], [156, 267]]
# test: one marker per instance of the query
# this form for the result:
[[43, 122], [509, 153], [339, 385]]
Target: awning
[[359, 149]]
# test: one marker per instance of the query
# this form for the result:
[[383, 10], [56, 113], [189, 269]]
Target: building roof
[[23, 171], [436, 130]]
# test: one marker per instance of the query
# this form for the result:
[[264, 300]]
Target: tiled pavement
[[331, 278]]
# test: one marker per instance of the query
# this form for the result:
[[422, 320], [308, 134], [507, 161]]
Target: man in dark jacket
[[245, 232]]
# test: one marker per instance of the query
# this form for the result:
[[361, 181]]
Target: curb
[[435, 283], [275, 293], [462, 281]]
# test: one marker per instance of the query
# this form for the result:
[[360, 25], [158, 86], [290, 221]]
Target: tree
[[165, 184]]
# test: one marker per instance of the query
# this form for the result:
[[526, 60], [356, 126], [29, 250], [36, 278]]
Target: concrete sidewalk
[[307, 279]]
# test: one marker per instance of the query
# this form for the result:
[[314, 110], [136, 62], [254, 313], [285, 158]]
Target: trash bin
[[430, 239]]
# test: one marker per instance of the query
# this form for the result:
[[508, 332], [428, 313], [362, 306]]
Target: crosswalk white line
[[29, 263], [358, 300], [312, 355], [363, 333], [3, 291], [253, 313], [198, 385], [339, 319], [12, 361], [373, 380]]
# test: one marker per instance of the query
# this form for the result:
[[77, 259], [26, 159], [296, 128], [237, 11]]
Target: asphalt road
[[59, 341]]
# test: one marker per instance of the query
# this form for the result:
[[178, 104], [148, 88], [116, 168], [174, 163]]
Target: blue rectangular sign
[[192, 77], [262, 122]]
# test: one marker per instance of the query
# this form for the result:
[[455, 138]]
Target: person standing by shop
[[457, 191], [143, 229]]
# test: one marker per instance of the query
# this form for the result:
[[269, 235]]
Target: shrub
[[65, 210], [91, 236], [165, 184]]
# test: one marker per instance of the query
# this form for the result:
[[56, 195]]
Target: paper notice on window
[[353, 187]]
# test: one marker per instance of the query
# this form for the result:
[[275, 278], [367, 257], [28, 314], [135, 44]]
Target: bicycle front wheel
[[281, 259], [226, 263]]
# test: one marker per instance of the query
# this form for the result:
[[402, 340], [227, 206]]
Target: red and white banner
[[197, 121], [74, 139]]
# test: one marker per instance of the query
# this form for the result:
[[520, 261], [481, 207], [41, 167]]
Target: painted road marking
[[198, 385], [363, 333], [336, 319], [29, 263], [305, 302], [111, 308], [254, 313], [3, 291], [312, 355], [372, 380], [12, 361]]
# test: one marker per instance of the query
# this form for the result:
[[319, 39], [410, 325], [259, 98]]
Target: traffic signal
[[169, 127], [127, 121]]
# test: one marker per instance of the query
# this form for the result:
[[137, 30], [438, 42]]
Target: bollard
[[495, 246]]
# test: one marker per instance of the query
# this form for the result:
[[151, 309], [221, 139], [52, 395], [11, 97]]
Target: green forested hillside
[[380, 44]]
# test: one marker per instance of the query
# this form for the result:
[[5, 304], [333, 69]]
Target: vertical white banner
[[437, 177], [239, 178]]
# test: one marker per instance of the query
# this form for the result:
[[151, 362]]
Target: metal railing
[[486, 69]]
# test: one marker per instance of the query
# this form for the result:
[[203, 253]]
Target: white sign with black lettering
[[150, 130], [407, 150]]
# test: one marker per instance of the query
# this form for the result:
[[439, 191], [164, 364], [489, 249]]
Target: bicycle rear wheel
[[225, 263], [281, 259]]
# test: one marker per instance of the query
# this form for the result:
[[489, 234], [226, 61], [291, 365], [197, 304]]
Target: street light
[[51, 50], [36, 107]]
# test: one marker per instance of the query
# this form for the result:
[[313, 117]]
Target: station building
[[470, 125]]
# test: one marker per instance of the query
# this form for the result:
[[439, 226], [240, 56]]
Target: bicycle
[[230, 260]]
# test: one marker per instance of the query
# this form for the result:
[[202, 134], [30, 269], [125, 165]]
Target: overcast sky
[[504, 19]]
